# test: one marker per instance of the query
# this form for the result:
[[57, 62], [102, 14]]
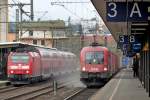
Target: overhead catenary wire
[[68, 2], [20, 6], [82, 9], [71, 12], [14, 1]]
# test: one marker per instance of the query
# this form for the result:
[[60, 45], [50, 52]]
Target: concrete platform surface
[[122, 87], [4, 83]]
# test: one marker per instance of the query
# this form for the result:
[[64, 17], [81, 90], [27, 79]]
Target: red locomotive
[[98, 64], [36, 64]]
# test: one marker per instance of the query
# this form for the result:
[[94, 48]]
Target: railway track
[[11, 88], [29, 92], [61, 93], [82, 94], [49, 90], [34, 91], [7, 88], [33, 94], [10, 91]]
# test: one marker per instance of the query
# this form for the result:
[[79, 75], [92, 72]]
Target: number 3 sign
[[118, 11]]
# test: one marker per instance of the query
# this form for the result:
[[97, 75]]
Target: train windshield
[[95, 57], [20, 58]]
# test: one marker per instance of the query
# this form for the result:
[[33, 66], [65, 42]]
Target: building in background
[[42, 32], [11, 36], [3, 20]]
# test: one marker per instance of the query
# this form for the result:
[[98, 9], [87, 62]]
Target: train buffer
[[122, 87]]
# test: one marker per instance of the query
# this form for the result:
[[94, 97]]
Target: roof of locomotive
[[88, 48], [95, 46]]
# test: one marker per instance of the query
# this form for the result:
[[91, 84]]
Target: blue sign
[[125, 61], [136, 47], [125, 39], [121, 11], [129, 43], [130, 54]]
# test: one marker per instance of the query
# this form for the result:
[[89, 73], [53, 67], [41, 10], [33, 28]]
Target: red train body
[[98, 64], [39, 64]]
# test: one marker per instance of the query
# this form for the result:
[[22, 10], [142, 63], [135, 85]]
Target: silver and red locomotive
[[98, 64]]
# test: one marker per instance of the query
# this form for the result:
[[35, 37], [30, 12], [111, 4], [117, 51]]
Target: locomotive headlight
[[94, 60], [83, 69], [11, 71], [27, 72], [105, 69]]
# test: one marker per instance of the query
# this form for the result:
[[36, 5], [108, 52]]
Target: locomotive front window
[[20, 58], [95, 57]]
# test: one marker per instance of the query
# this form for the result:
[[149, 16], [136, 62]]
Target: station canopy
[[113, 13]]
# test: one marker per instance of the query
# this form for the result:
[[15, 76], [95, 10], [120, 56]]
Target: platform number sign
[[119, 11], [121, 39], [132, 38], [113, 10], [127, 39], [129, 43]]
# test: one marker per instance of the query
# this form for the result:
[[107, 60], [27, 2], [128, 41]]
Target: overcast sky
[[45, 11]]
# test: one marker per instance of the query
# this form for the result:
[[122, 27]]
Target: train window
[[34, 41], [20, 58], [94, 57]]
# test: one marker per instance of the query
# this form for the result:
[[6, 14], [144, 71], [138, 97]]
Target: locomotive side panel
[[36, 67], [47, 63]]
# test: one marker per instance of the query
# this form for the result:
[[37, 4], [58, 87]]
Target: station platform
[[123, 86], [4, 83]]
